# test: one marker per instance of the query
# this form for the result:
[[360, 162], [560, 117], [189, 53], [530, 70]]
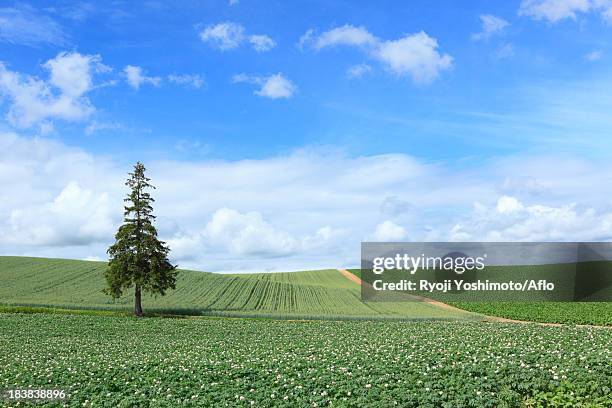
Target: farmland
[[70, 284], [348, 353], [127, 362], [597, 313], [38, 282]]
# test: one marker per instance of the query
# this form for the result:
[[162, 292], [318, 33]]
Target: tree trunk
[[137, 302]]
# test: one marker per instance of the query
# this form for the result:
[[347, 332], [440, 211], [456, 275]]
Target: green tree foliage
[[138, 258]]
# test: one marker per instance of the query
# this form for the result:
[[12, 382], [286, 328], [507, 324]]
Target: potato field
[[202, 362]]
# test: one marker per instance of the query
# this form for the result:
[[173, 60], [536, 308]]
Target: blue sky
[[450, 91], [379, 112]]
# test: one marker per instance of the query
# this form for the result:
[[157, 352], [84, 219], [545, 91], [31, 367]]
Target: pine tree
[[138, 258]]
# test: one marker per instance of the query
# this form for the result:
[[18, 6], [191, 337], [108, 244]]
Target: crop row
[[78, 284], [125, 362]]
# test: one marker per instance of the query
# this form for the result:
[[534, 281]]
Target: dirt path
[[432, 302], [497, 319], [350, 276]]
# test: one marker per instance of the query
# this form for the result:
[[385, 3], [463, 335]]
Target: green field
[[596, 313], [70, 284], [347, 353], [128, 362]]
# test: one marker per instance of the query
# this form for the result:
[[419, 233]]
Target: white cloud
[[234, 2], [553, 10], [24, 26], [63, 96], [191, 80], [593, 56], [240, 235], [557, 10], [262, 43], [357, 71], [346, 35], [135, 76], [389, 231], [491, 25], [247, 234], [507, 205], [224, 36], [274, 86], [306, 38], [414, 55], [511, 220], [72, 72], [307, 209], [228, 36], [323, 239], [74, 217], [238, 78]]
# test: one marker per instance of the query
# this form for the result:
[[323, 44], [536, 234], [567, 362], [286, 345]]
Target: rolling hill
[[323, 294]]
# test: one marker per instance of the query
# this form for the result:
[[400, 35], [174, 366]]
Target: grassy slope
[[312, 294], [329, 278]]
